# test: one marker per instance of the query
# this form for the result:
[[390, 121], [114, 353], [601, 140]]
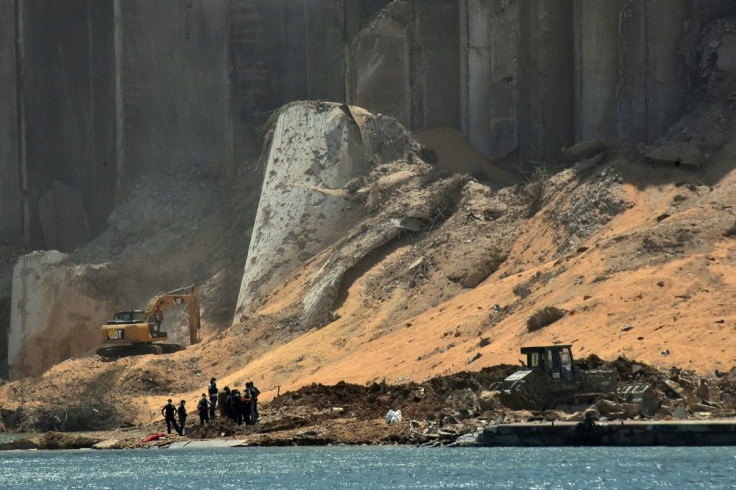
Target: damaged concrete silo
[[55, 313], [316, 149]]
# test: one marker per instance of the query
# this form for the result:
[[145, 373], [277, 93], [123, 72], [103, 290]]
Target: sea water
[[373, 467]]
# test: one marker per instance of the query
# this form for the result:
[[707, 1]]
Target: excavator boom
[[189, 296]]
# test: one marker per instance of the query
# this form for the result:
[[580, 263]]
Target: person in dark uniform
[[222, 402], [248, 407], [236, 406], [169, 413], [182, 410], [254, 392], [203, 409], [212, 390]]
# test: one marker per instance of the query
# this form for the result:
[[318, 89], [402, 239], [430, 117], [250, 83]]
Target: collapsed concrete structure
[[50, 292], [316, 149], [315, 190], [114, 90]]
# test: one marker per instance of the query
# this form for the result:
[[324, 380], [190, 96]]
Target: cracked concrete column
[[406, 64], [630, 86], [56, 311], [518, 104], [11, 161]]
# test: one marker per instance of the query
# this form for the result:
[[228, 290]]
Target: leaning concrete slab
[[56, 312], [315, 145]]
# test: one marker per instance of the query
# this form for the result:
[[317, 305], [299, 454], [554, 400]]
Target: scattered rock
[[584, 150], [679, 412], [477, 356], [393, 416], [18, 444], [466, 440], [62, 440], [108, 444], [676, 153]]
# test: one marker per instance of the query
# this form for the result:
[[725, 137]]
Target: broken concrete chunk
[[19, 444], [679, 412], [640, 395], [473, 279], [393, 416], [466, 440], [108, 444], [677, 154], [410, 224], [477, 356], [584, 150]]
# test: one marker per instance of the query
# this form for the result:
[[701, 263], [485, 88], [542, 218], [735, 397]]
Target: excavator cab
[[127, 316]]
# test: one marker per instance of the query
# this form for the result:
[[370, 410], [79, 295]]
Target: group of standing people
[[240, 407], [170, 412]]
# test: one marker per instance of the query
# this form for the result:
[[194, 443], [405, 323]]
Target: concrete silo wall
[[56, 315], [315, 149]]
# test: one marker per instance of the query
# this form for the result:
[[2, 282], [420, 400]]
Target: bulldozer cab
[[555, 361]]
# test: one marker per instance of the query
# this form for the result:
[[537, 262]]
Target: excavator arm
[[188, 296]]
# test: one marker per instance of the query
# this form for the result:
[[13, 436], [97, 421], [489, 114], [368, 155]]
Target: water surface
[[373, 467]]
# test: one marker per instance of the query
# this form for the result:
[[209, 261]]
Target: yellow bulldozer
[[137, 332]]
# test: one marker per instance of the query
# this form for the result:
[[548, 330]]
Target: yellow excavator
[[137, 332]]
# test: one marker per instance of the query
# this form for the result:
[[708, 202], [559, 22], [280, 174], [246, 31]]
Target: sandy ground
[[639, 256]]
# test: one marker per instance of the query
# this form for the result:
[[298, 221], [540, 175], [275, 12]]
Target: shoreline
[[690, 432]]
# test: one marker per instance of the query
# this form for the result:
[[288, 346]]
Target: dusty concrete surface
[[63, 218], [11, 197], [405, 64], [142, 85], [438, 274], [316, 150]]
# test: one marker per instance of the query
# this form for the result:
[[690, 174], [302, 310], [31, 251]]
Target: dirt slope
[[637, 253]]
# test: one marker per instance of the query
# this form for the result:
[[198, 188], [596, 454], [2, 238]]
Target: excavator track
[[120, 351]]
